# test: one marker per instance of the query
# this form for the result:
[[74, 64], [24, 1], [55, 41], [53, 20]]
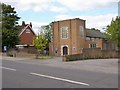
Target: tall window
[[64, 32], [81, 31]]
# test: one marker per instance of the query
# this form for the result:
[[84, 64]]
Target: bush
[[10, 54]]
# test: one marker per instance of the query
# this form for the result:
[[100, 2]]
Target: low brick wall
[[19, 54], [30, 49], [92, 54], [98, 53], [25, 55]]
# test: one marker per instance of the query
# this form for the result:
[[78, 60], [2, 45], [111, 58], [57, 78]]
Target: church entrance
[[65, 50]]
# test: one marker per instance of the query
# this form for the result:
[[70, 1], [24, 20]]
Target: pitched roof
[[25, 29], [95, 33]]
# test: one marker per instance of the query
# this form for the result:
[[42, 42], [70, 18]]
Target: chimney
[[23, 24], [93, 28], [97, 30], [31, 24]]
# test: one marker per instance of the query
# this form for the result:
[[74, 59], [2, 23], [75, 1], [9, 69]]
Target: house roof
[[95, 33], [25, 29]]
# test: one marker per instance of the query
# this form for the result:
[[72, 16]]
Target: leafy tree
[[113, 31], [0, 27], [47, 34], [39, 42], [10, 26]]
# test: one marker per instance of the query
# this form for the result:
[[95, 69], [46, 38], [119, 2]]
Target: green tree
[[113, 31], [10, 26], [39, 42], [47, 34], [0, 27]]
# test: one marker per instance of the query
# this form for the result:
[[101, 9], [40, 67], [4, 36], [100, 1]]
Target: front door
[[65, 50]]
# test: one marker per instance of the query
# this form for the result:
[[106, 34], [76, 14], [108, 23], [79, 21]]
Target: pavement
[[54, 73]]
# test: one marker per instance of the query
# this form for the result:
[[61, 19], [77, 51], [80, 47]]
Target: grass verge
[[44, 57]]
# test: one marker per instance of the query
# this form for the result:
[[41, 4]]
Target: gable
[[27, 30]]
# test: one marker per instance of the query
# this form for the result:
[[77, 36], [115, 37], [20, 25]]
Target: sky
[[97, 13]]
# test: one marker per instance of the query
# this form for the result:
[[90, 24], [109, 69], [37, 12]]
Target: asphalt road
[[23, 73]]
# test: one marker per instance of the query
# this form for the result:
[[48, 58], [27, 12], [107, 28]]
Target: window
[[87, 38], [92, 45], [81, 31], [64, 32], [93, 39], [51, 36], [27, 30]]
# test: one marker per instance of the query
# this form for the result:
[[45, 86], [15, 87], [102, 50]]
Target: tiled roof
[[95, 33]]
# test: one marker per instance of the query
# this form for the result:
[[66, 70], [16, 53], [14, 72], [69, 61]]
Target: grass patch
[[44, 57]]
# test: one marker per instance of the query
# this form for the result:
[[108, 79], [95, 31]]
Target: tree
[[47, 34], [39, 42], [10, 26], [113, 31], [0, 38]]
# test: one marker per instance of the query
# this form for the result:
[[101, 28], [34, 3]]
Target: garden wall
[[30, 49], [89, 53]]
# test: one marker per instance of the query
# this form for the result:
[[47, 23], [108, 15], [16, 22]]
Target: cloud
[[62, 17], [23, 5], [98, 21], [82, 5], [36, 6], [58, 9], [61, 6], [37, 25]]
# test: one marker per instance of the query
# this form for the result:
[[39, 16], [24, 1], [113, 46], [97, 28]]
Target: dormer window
[[87, 38], [27, 30]]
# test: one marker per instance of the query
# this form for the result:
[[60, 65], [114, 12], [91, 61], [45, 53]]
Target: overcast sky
[[97, 13]]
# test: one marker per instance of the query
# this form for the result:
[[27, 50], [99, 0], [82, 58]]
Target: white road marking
[[8, 68], [61, 79]]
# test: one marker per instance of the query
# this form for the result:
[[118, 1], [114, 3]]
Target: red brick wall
[[30, 49], [73, 40], [26, 38]]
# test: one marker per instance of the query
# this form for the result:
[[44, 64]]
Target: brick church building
[[71, 36]]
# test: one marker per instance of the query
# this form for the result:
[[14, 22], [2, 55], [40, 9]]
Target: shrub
[[10, 54]]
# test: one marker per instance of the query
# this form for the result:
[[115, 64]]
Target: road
[[29, 73]]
